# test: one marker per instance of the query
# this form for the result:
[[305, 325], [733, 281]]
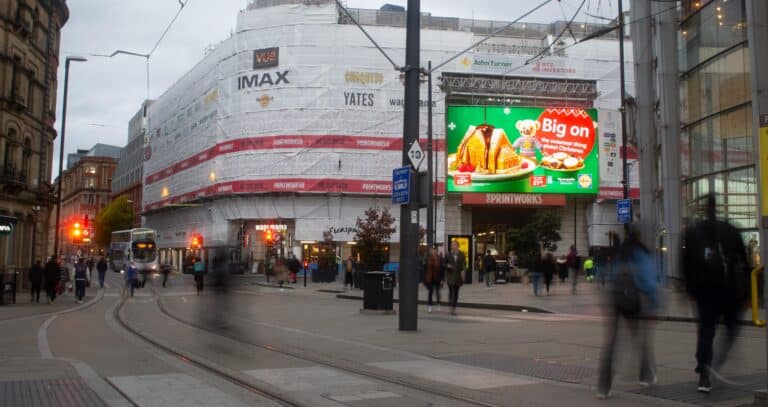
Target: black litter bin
[[8, 287], [378, 291]]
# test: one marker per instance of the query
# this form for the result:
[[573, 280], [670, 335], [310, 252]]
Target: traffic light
[[196, 242], [76, 232], [269, 236]]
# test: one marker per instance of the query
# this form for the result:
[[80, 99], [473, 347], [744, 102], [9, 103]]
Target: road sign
[[416, 154], [401, 185], [624, 210]]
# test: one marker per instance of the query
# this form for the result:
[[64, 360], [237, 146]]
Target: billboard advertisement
[[522, 149]]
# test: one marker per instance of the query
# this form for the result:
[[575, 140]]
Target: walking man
[[455, 267], [52, 279], [715, 267], [102, 267], [489, 266], [36, 280], [81, 278]]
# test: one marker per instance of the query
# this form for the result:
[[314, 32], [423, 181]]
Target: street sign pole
[[409, 276]]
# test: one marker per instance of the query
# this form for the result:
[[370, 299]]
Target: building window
[[89, 183], [91, 170], [26, 160], [9, 161]]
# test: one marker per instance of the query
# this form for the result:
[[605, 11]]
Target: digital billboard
[[522, 149]]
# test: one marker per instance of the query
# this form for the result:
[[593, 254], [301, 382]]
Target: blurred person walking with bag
[[35, 280], [715, 267], [634, 292], [455, 267]]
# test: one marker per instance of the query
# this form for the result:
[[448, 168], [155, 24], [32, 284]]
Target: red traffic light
[[269, 237], [196, 242]]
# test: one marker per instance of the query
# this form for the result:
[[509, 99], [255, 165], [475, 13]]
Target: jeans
[[102, 274], [35, 291], [640, 333], [453, 295], [709, 315], [535, 279], [488, 278], [433, 287], [79, 289]]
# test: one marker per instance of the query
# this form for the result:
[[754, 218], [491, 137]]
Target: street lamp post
[[61, 151]]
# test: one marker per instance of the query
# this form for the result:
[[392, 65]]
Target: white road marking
[[371, 395], [449, 373], [172, 389]]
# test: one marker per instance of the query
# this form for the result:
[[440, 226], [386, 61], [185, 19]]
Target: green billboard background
[[585, 180]]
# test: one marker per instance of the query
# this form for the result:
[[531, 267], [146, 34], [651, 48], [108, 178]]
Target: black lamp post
[[61, 151]]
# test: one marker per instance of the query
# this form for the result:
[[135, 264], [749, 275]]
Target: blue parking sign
[[401, 185], [624, 210]]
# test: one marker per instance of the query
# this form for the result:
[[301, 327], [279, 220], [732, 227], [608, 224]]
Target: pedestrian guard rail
[[755, 300]]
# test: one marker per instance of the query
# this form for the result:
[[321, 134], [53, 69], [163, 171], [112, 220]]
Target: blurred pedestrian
[[534, 271], [90, 264], [489, 267], [562, 269], [589, 268], [199, 272], [52, 279], [131, 278], [455, 267], [349, 272], [548, 269], [294, 266], [715, 267], [35, 280], [101, 268], [165, 270], [571, 262], [281, 272], [634, 293], [81, 278], [432, 277]]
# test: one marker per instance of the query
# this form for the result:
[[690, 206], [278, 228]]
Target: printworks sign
[[525, 200], [266, 57], [522, 150]]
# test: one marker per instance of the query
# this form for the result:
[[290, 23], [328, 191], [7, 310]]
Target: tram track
[[330, 363], [197, 362]]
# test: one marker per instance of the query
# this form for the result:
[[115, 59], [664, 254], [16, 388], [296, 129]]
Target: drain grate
[[686, 392], [48, 392], [542, 369]]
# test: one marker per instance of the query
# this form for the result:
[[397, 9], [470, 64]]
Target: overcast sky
[[104, 93]]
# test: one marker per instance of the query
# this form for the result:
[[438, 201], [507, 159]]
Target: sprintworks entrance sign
[[512, 199]]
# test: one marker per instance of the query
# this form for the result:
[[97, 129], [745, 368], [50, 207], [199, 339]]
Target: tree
[[542, 232], [372, 236], [118, 215]]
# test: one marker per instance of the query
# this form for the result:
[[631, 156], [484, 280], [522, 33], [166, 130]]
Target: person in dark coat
[[81, 279], [548, 269], [455, 267], [102, 267], [36, 280], [489, 268], [52, 278], [432, 277], [715, 266]]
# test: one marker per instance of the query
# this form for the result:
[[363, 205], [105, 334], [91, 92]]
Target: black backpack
[[626, 295]]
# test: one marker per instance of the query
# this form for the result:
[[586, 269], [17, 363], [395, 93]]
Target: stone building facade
[[29, 55]]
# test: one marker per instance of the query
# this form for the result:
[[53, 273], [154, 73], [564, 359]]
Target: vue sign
[[266, 57]]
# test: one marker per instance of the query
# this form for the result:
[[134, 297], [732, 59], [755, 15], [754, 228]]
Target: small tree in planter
[[372, 236], [542, 232]]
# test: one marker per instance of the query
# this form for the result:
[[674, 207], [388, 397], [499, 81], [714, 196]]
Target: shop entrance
[[489, 233]]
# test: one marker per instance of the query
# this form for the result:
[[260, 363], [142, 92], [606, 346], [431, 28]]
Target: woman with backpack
[[634, 293]]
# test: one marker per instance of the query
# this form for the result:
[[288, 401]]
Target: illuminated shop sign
[[524, 150], [271, 227]]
